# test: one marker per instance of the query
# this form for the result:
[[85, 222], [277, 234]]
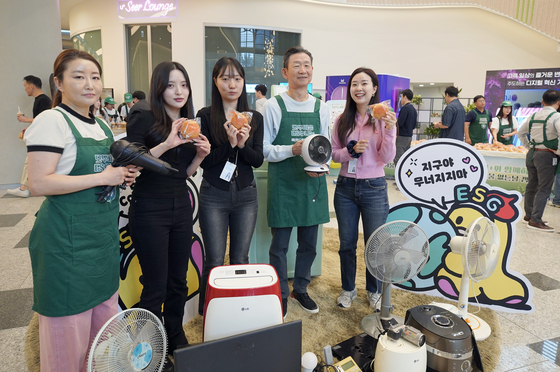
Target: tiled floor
[[530, 342]]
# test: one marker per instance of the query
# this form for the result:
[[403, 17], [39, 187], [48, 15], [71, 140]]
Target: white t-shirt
[[123, 111], [51, 130], [109, 114], [505, 121], [273, 115], [260, 104]]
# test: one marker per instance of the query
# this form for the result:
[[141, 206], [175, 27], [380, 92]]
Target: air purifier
[[241, 298]]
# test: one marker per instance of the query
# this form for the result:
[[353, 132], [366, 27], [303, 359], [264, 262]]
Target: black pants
[[541, 171], [161, 231]]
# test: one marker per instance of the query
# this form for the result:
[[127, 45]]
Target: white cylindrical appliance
[[399, 355]]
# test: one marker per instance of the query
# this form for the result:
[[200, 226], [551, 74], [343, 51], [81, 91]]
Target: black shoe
[[306, 302], [168, 366], [284, 307]]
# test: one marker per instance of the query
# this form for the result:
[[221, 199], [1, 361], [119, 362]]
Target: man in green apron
[[540, 133], [295, 198], [477, 122]]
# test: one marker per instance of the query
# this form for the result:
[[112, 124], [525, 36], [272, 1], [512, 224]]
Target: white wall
[[434, 45], [29, 44]]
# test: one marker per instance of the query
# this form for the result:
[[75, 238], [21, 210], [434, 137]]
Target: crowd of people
[[74, 244]]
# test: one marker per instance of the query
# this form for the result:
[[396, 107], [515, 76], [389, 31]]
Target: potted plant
[[417, 100]]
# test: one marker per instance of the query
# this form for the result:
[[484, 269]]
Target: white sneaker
[[19, 192], [552, 204], [346, 297], [374, 300]]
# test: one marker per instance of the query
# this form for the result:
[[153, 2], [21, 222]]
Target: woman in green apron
[[74, 244], [504, 125], [160, 214]]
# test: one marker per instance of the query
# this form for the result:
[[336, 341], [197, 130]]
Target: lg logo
[[244, 309]]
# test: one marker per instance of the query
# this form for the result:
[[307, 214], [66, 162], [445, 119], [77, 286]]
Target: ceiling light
[[432, 83], [420, 85]]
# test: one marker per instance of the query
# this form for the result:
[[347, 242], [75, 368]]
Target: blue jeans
[[352, 198], [305, 255], [221, 210], [556, 190]]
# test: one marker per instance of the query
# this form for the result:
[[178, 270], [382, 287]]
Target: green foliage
[[432, 131], [416, 100]]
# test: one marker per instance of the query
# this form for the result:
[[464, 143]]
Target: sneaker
[[551, 203], [284, 307], [346, 297], [306, 302], [374, 300], [19, 192], [526, 220], [540, 226]]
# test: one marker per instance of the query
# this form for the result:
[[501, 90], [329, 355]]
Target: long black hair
[[158, 85], [217, 114], [347, 119], [500, 115]]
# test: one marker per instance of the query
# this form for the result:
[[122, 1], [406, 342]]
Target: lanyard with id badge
[[229, 169]]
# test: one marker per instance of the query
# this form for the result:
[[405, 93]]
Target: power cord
[[322, 366]]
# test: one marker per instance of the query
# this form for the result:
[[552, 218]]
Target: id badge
[[227, 172], [554, 161], [352, 165]]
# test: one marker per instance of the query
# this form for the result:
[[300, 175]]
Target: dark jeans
[[352, 198], [221, 210], [541, 174], [305, 255], [161, 230]]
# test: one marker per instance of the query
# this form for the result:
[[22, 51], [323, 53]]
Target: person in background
[[540, 133], [260, 93], [140, 103], [160, 213], [406, 124], [296, 198], [363, 146], [95, 109], [504, 125], [477, 122], [74, 243], [33, 88], [110, 114], [452, 123], [228, 203], [127, 105]]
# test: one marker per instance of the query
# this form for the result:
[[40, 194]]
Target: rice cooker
[[449, 340]]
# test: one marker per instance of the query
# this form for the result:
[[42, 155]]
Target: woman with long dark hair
[[74, 244], [160, 211], [363, 145], [228, 193], [504, 125]]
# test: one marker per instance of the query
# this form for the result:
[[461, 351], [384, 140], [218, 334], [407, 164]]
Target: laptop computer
[[271, 349]]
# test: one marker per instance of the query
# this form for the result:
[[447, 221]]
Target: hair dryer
[[125, 153]]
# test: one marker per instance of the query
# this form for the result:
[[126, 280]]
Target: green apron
[[478, 128], [74, 244], [290, 190], [505, 129], [550, 144]]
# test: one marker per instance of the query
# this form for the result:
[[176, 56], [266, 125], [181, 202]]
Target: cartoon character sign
[[445, 182]]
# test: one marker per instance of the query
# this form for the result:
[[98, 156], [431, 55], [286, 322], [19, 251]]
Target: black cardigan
[[251, 155]]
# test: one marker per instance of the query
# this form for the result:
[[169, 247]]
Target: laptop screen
[[272, 349]]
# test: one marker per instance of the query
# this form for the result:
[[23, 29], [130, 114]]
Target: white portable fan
[[479, 249], [132, 340], [394, 253], [316, 151]]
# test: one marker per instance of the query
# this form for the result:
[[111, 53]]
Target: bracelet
[[350, 148]]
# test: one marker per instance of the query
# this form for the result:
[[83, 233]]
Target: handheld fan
[[132, 340], [394, 253], [316, 151], [479, 249]]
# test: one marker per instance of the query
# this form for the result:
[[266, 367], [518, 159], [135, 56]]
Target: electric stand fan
[[132, 340], [316, 151], [479, 249], [394, 253]]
